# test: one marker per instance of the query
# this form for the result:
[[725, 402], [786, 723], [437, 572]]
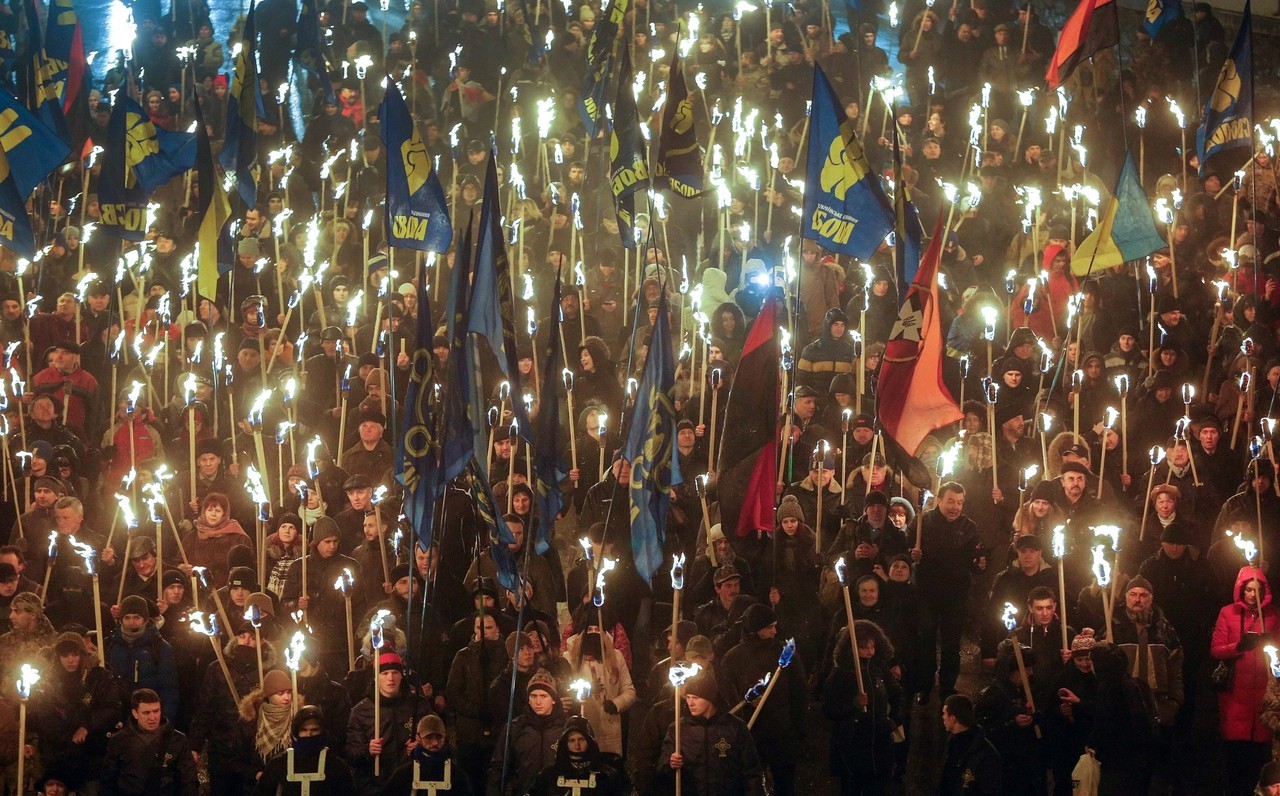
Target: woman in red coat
[[1239, 636]]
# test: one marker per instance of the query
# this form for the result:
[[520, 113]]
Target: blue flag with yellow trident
[[32, 148], [650, 449], [244, 107], [43, 87], [309, 48], [416, 215], [845, 207], [1160, 13], [138, 159], [15, 223], [1228, 118]]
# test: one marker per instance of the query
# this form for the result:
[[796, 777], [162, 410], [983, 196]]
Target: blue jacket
[[146, 662]]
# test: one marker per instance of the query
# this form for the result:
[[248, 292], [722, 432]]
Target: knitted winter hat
[[1138, 583], [542, 681], [1084, 643], [276, 682], [790, 508]]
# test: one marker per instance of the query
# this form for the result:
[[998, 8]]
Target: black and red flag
[[1092, 27], [747, 467]]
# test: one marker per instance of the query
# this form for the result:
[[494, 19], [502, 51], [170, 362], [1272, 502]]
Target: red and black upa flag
[[748, 461], [678, 161], [1092, 27]]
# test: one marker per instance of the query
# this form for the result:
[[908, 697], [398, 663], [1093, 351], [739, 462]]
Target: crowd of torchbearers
[[209, 585]]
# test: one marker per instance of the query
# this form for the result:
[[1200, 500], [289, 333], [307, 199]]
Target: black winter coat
[[337, 781], [473, 669], [533, 745], [398, 725], [720, 758], [149, 764], [217, 717], [972, 766], [780, 729]]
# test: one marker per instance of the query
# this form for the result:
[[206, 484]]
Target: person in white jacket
[[592, 657]]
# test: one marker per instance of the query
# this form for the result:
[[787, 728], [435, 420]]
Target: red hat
[[390, 661]]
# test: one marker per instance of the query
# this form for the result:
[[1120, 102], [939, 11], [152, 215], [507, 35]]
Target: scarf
[[132, 635], [229, 527], [273, 734]]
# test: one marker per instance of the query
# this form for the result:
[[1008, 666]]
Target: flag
[[650, 448], [491, 313], [908, 235], [678, 161], [64, 47], [1127, 231], [309, 49], [500, 536], [748, 463], [15, 223], [213, 209], [33, 149], [628, 170], [547, 463], [1160, 13], [43, 89], [845, 208], [913, 400], [416, 216], [417, 449], [601, 52], [239, 154], [137, 159], [1092, 27], [1228, 118], [456, 422]]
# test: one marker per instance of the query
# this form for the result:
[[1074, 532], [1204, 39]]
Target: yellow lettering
[[834, 228], [409, 227]]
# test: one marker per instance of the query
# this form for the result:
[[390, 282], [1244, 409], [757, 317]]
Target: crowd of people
[[210, 572]]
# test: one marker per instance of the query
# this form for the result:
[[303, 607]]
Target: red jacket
[[76, 391], [1240, 706]]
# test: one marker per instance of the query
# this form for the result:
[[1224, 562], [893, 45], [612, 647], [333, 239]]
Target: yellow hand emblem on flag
[[1154, 9], [140, 143], [682, 119], [417, 163], [1228, 89], [845, 165]]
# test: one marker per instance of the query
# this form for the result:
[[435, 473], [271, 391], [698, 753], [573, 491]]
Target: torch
[[597, 595], [30, 676], [567, 376], [253, 615], [678, 676], [1155, 455], [50, 559], [345, 582], [784, 660], [293, 659], [90, 556], [1060, 553], [1245, 384], [1010, 619], [376, 641], [344, 388], [1102, 574], [991, 390], [845, 417], [715, 402], [1122, 388], [209, 629], [189, 390], [848, 618], [602, 431], [581, 689], [1107, 425], [677, 588]]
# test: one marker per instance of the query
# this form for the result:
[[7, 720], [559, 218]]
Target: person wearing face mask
[[591, 656], [580, 764], [431, 762], [310, 758], [533, 738]]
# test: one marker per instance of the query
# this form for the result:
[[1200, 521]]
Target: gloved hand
[[610, 708], [1249, 642]]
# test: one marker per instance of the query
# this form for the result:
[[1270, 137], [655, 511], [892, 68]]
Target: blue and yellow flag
[[1160, 13], [15, 223], [601, 52], [908, 234], [547, 463], [845, 207], [137, 159], [628, 168], [416, 215], [418, 449], [244, 107], [43, 86], [678, 162], [33, 149], [456, 422], [213, 209], [650, 448], [309, 49], [1228, 118], [500, 536], [1127, 231]]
